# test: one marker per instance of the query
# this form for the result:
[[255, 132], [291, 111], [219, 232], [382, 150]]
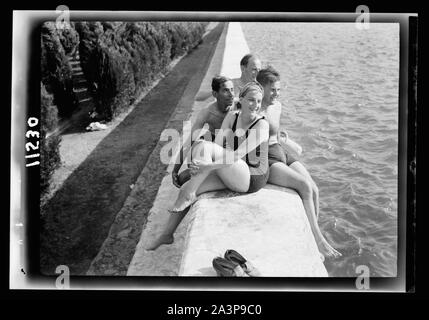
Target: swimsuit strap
[[258, 149], [234, 126], [251, 126]]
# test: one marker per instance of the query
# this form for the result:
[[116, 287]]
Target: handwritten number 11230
[[31, 146]]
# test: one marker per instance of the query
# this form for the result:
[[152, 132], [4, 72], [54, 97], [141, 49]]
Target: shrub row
[[120, 59], [56, 71], [49, 148], [57, 98]]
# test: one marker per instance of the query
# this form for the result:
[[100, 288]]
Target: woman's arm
[[224, 132], [257, 135]]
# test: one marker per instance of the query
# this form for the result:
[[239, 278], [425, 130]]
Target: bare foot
[[185, 204], [327, 250], [163, 239]]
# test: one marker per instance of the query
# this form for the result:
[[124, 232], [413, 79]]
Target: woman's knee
[[236, 177], [241, 187]]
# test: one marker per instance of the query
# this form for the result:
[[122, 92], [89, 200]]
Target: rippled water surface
[[340, 102]]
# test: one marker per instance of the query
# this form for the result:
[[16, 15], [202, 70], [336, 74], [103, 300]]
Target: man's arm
[[288, 144], [226, 125], [196, 128], [274, 114]]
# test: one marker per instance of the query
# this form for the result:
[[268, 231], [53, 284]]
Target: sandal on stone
[[247, 266], [226, 268]]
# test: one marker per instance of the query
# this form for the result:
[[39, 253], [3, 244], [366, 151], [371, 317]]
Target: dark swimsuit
[[276, 153], [257, 160]]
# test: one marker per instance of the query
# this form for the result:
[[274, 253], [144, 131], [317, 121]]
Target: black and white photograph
[[205, 146]]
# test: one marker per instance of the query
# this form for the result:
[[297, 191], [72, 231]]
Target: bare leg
[[299, 167], [188, 192], [166, 237], [235, 177], [181, 207], [212, 182], [281, 174]]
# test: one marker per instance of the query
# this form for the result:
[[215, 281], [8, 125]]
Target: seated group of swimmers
[[246, 130]]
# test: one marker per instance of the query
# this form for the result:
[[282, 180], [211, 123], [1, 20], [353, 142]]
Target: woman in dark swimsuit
[[285, 170], [237, 160]]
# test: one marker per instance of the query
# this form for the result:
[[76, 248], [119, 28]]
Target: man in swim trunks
[[212, 116], [285, 170]]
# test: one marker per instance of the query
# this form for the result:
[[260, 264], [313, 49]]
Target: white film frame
[[23, 23]]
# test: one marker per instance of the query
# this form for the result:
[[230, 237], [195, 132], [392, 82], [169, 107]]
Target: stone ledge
[[268, 227], [277, 238]]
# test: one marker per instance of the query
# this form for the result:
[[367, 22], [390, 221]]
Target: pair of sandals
[[234, 265]]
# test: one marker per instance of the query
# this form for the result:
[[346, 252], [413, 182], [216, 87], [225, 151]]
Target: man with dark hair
[[250, 66], [212, 116], [267, 75]]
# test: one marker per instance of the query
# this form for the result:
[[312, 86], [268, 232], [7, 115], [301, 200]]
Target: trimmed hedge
[[57, 98], [56, 70], [185, 36], [120, 59], [49, 147]]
